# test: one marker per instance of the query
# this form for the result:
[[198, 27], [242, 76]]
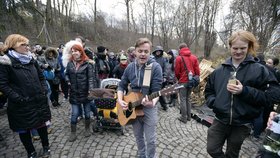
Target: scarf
[[123, 66], [23, 58]]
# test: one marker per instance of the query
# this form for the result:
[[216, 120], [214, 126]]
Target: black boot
[[33, 155], [172, 104], [164, 107], [55, 104], [1, 138], [46, 152]]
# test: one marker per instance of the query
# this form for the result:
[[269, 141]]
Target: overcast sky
[[117, 9]]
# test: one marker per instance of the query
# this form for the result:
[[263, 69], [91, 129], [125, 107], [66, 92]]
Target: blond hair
[[14, 41], [245, 36], [142, 41]]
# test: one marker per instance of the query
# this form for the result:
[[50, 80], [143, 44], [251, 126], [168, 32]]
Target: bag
[[49, 74]]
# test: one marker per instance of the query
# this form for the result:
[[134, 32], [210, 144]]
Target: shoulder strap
[[185, 65], [147, 75]]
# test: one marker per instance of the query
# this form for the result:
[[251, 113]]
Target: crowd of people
[[241, 92]]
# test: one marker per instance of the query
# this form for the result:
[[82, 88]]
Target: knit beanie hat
[[100, 49], [123, 57]]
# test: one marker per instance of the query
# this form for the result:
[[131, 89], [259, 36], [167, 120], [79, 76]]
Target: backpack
[[49, 74]]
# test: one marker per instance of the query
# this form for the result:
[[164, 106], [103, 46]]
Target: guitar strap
[[147, 75], [185, 66]]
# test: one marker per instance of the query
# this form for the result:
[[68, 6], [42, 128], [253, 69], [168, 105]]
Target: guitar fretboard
[[150, 97]]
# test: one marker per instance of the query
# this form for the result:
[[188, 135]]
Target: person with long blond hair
[[23, 82], [236, 91], [81, 79]]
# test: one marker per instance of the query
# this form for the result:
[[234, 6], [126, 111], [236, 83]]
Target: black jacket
[[26, 88], [118, 71], [244, 107], [82, 81]]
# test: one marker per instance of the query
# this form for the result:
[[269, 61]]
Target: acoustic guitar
[[134, 100]]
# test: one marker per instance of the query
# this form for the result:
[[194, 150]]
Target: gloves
[[192, 83], [189, 84]]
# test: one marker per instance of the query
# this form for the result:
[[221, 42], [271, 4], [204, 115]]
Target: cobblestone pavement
[[174, 139]]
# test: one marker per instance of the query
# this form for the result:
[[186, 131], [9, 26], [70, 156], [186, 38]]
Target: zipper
[[231, 101], [231, 109]]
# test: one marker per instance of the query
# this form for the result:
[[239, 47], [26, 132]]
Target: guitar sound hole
[[129, 111]]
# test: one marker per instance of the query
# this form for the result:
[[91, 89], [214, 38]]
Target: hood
[[67, 51], [185, 52], [158, 48], [5, 60], [248, 59], [150, 60], [173, 52], [49, 50]]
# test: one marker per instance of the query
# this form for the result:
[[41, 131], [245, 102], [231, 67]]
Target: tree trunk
[[153, 20]]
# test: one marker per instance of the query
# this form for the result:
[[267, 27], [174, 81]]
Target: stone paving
[[174, 139]]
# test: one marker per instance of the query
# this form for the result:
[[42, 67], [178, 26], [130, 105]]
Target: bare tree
[[210, 33], [127, 4], [153, 19], [259, 17], [166, 22]]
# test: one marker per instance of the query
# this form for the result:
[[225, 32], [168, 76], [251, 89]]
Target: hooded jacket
[[53, 62], [161, 60], [81, 81], [244, 107], [25, 87], [134, 74], [191, 64]]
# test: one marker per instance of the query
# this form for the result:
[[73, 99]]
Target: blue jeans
[[94, 109], [34, 132], [76, 111], [144, 129]]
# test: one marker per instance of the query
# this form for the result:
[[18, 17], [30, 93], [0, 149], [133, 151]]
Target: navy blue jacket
[[134, 74]]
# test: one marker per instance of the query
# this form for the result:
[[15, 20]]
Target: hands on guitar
[[129, 106], [123, 104], [145, 101]]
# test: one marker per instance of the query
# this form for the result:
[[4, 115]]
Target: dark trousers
[[258, 125], [3, 100], [161, 98], [185, 105], [27, 140], [65, 88], [54, 89], [218, 133]]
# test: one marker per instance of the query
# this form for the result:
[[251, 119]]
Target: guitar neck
[[150, 97]]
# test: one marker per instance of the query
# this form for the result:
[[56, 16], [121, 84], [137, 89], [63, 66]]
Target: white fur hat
[[67, 51]]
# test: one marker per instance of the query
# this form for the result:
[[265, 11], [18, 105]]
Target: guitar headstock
[[171, 89]]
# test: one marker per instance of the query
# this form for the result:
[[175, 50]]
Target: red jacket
[[191, 63]]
